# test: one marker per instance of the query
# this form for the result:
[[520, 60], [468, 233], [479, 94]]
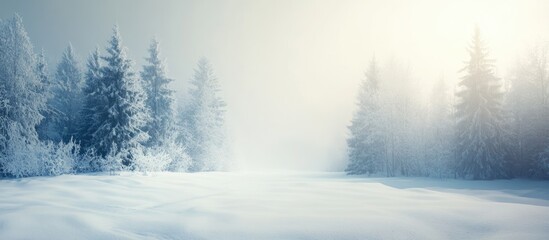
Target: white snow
[[218, 205]]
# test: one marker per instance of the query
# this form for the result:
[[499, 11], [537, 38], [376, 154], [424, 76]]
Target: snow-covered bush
[[20, 156], [59, 158], [151, 160], [169, 157], [87, 162], [26, 159], [112, 162], [180, 159]]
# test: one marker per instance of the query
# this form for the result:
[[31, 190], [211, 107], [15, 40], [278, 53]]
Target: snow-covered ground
[[270, 206]]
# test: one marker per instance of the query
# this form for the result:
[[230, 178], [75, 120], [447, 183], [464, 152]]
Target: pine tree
[[527, 103], [480, 118], [43, 74], [67, 98], [202, 122], [44, 129], [119, 130], [366, 143], [401, 121], [95, 102], [22, 100], [159, 97], [541, 79], [439, 150]]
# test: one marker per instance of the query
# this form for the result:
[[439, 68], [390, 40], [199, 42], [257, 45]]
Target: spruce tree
[[439, 144], [159, 97], [119, 131], [67, 95], [480, 133], [366, 143], [95, 102], [45, 128], [202, 121], [528, 105]]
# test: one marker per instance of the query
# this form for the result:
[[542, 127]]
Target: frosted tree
[[541, 79], [527, 103], [43, 74], [121, 120], [95, 102], [439, 144], [480, 117], [366, 143], [402, 121], [22, 100], [202, 121], [45, 128], [159, 97], [67, 98]]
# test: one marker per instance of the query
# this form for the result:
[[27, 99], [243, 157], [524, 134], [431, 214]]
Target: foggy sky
[[289, 70]]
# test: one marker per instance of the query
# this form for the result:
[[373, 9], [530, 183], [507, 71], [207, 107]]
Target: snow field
[[217, 205]]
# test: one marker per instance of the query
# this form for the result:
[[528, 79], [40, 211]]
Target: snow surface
[[218, 205]]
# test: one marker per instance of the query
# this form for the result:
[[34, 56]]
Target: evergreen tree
[[45, 128], [527, 102], [480, 118], [67, 98], [366, 143], [95, 102], [22, 100], [119, 131], [43, 74], [201, 123], [401, 121], [159, 97], [439, 149]]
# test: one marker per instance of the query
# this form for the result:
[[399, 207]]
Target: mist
[[274, 119], [290, 70]]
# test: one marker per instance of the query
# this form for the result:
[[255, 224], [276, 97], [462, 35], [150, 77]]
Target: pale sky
[[289, 70]]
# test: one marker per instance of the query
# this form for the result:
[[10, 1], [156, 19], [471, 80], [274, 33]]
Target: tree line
[[485, 128], [102, 117]]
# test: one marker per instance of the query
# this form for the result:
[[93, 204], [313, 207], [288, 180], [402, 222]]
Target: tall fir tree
[[45, 128], [439, 148], [159, 97], [401, 122], [366, 143], [67, 95], [202, 121], [95, 102], [527, 103], [119, 131], [481, 137], [22, 100]]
